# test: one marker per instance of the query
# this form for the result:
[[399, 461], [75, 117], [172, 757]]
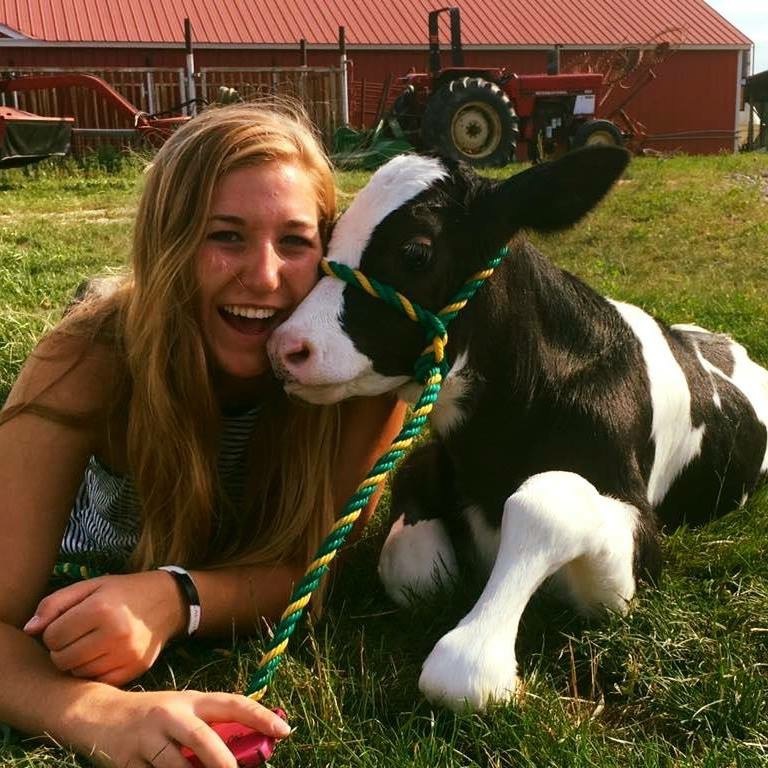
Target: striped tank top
[[105, 515]]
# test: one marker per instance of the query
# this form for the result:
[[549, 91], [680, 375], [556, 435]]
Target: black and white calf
[[569, 427]]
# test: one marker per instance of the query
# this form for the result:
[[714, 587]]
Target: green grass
[[682, 681]]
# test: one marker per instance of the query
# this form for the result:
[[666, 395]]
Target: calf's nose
[[291, 354]]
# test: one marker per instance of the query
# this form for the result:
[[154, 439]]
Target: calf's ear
[[553, 195]]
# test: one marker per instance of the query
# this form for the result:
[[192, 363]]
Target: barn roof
[[394, 23]]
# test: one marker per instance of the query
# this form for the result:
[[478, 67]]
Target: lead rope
[[429, 370]]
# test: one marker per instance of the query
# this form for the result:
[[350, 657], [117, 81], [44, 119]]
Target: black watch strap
[[190, 593]]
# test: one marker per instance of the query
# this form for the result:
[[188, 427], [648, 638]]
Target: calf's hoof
[[469, 669]]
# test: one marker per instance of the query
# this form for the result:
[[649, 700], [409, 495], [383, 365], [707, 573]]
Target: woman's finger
[[167, 755], [203, 741], [76, 622], [58, 603], [84, 650], [231, 707], [97, 668]]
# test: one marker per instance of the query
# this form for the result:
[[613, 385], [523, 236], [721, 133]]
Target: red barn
[[687, 99]]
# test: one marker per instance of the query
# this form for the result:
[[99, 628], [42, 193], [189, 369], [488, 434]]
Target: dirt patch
[[85, 215], [753, 179]]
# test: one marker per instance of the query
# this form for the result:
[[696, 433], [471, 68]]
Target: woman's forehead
[[276, 186]]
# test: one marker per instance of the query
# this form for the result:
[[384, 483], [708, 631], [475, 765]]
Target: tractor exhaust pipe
[[457, 53]]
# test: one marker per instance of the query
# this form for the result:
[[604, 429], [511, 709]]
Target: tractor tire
[[472, 120], [405, 111], [594, 132]]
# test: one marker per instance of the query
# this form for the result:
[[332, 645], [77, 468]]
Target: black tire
[[405, 110], [471, 120], [597, 132]]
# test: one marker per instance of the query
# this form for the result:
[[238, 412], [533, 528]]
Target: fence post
[[344, 84], [302, 75], [192, 108], [182, 85], [150, 86]]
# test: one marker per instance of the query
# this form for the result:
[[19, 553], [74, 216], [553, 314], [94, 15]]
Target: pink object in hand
[[248, 746]]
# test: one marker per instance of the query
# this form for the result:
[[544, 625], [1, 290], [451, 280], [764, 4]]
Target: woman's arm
[[134, 615], [41, 464], [241, 597]]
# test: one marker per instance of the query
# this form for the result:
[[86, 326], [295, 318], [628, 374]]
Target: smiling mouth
[[249, 321]]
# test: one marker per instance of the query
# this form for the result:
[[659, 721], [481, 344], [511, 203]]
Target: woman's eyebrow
[[228, 218], [291, 223], [301, 223]]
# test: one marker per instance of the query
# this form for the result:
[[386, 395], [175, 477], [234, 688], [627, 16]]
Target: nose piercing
[[239, 280]]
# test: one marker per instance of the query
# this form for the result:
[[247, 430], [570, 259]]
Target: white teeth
[[250, 312]]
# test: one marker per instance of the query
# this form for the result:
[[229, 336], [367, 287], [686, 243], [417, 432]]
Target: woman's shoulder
[[69, 374]]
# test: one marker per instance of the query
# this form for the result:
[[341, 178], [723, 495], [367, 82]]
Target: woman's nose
[[261, 272]]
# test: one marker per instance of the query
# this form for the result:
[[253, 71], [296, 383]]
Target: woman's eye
[[298, 241], [225, 236], [417, 255]]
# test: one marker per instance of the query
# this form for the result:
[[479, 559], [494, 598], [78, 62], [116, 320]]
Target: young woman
[[146, 428]]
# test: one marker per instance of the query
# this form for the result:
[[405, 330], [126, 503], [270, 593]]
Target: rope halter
[[429, 370]]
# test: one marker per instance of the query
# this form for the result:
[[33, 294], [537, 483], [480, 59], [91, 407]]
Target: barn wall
[[370, 64], [99, 58], [691, 104], [689, 107], [693, 95], [375, 65]]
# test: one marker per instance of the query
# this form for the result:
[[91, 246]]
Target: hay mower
[[26, 137]]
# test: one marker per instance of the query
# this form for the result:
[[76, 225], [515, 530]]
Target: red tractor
[[482, 115]]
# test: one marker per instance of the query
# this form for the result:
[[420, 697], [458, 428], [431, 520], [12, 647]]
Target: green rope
[[429, 371]]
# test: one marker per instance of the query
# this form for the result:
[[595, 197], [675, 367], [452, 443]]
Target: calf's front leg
[[416, 560], [555, 521], [418, 556]]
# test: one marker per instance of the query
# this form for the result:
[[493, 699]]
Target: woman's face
[[258, 260]]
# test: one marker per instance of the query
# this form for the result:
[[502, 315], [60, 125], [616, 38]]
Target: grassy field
[[682, 681]]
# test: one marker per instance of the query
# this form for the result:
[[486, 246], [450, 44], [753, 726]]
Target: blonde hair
[[173, 417]]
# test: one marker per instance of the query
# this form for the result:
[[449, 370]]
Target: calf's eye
[[417, 255]]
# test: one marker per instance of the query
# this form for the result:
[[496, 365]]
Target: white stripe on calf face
[[677, 443], [394, 184]]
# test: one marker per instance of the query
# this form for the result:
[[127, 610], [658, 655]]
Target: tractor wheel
[[405, 110], [471, 120], [597, 132]]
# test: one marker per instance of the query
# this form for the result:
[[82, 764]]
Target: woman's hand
[[111, 628], [142, 729]]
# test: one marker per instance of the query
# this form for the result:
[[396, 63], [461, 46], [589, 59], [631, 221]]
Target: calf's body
[[569, 428]]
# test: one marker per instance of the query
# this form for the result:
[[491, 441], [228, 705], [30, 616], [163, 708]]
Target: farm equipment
[[483, 115], [27, 137]]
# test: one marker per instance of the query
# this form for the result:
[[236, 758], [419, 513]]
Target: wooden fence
[[317, 88], [159, 91], [369, 100]]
